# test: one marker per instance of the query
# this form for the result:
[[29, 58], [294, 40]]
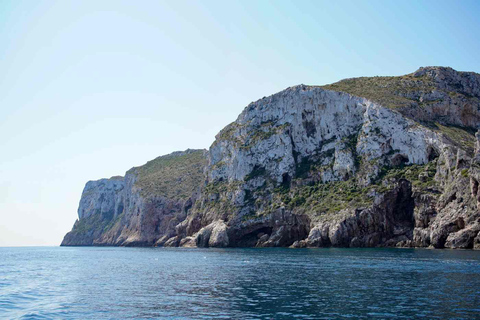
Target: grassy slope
[[388, 91], [172, 176]]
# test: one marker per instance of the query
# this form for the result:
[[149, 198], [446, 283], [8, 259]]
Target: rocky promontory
[[141, 208], [364, 162]]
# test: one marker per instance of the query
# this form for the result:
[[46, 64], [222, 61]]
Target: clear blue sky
[[89, 89]]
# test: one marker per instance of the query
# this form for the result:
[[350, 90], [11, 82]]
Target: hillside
[[364, 162]]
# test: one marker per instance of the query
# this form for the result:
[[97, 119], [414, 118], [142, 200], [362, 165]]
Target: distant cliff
[[365, 162]]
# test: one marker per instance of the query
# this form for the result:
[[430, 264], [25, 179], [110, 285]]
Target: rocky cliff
[[142, 208], [365, 162]]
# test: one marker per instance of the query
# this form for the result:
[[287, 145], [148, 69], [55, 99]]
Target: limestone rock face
[[213, 235], [308, 124], [453, 97], [128, 211], [103, 197], [428, 95], [219, 235], [389, 222], [387, 161]]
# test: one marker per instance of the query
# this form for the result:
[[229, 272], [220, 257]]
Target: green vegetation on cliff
[[391, 92], [89, 224], [461, 137], [176, 175], [326, 200], [416, 89]]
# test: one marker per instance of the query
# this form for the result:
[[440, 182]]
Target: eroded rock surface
[[387, 161]]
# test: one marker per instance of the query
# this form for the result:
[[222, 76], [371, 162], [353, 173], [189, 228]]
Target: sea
[[254, 283]]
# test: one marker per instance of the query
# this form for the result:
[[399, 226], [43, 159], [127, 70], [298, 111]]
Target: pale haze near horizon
[[89, 89]]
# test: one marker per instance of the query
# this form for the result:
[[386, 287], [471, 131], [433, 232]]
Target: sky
[[89, 89]]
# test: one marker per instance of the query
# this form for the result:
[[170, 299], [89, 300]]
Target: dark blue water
[[111, 283]]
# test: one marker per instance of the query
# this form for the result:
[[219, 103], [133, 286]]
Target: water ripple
[[112, 283]]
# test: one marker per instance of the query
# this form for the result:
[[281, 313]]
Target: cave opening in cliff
[[403, 205], [250, 239], [432, 154], [474, 185], [399, 160], [286, 181]]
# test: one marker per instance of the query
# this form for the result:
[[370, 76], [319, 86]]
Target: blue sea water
[[112, 283]]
